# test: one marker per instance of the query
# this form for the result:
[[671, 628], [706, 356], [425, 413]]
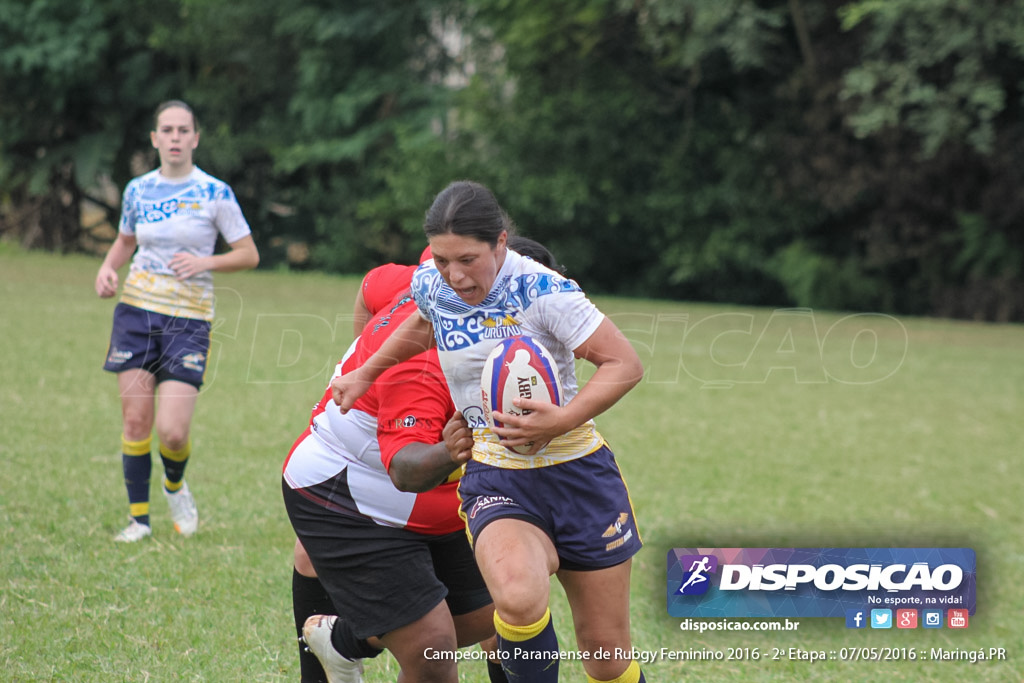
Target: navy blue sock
[[538, 637], [174, 465], [137, 465]]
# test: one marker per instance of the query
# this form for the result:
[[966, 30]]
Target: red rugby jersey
[[341, 461]]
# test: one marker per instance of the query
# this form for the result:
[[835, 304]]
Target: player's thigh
[[425, 648], [468, 599], [184, 347], [474, 627], [301, 561], [134, 343]]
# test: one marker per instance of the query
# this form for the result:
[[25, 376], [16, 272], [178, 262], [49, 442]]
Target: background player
[[170, 221]]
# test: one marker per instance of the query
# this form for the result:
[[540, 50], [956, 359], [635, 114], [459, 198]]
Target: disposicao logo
[[818, 582], [696, 580]]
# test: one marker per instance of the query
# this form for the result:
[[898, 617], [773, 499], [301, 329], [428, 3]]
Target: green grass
[[753, 428]]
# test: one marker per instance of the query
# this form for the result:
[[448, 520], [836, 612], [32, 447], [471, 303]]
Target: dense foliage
[[833, 154]]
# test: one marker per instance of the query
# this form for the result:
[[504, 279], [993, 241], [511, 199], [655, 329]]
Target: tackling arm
[[413, 336], [419, 467]]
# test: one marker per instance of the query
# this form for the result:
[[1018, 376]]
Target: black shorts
[[382, 578]]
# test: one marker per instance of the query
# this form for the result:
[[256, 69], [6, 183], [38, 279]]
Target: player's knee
[[435, 670], [520, 593], [600, 640], [137, 425], [476, 627], [173, 437], [428, 659], [520, 608]]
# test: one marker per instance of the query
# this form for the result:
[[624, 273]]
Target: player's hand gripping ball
[[518, 367]]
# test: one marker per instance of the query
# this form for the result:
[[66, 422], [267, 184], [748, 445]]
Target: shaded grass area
[[752, 428]]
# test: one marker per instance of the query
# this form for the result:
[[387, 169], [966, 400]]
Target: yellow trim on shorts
[[463, 517], [636, 525], [456, 474]]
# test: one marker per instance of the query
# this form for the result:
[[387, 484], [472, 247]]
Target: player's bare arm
[[458, 438], [242, 256], [420, 467], [120, 252], [618, 370], [413, 336]]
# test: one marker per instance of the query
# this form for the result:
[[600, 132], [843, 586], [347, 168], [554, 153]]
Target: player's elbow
[[633, 371], [253, 259], [406, 481]]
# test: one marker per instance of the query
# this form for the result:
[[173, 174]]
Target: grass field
[[753, 428]]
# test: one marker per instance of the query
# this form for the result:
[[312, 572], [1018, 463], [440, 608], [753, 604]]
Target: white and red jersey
[[341, 461]]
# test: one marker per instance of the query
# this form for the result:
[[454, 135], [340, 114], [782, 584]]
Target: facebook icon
[[856, 618]]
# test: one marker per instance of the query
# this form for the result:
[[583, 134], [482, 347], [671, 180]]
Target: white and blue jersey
[[526, 299], [172, 215]]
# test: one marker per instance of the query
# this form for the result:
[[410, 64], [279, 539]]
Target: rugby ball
[[518, 367]]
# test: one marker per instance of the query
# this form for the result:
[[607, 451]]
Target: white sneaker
[[133, 532], [183, 510], [316, 633]]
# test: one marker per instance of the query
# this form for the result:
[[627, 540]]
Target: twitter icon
[[881, 618]]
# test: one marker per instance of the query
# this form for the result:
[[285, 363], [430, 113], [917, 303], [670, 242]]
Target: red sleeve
[[414, 405]]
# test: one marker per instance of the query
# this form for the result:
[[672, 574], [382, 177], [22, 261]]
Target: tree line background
[[844, 155]]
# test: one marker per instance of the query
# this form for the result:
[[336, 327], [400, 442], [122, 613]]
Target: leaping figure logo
[[696, 579]]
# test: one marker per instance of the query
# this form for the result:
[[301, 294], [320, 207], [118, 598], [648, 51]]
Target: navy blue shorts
[[582, 505], [162, 345]]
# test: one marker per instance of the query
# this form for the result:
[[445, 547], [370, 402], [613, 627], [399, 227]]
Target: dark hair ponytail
[[469, 209]]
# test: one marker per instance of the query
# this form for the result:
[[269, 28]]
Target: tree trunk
[[50, 221]]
